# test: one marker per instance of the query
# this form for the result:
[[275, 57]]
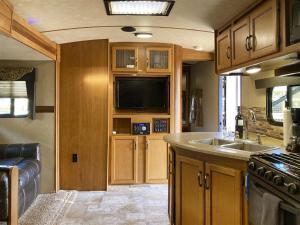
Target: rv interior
[[150, 112]]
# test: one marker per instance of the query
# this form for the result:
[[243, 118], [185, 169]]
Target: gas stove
[[280, 171]]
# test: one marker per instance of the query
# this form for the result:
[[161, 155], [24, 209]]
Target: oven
[[289, 209], [293, 21]]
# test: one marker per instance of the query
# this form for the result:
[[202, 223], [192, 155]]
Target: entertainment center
[[141, 101]]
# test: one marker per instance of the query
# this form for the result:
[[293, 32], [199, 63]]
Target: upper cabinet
[[224, 50], [6, 12], [142, 58], [124, 59], [249, 37], [159, 60]]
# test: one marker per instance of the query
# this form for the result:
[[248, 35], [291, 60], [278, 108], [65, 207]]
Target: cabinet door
[[156, 160], [223, 195], [223, 50], [240, 42], [171, 186], [124, 160], [6, 11], [264, 29], [189, 192], [159, 60], [124, 59]]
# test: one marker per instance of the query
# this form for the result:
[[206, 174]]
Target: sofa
[[26, 157]]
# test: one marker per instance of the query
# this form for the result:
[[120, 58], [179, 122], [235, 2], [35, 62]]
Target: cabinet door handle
[[207, 183], [147, 145], [247, 43], [134, 145], [250, 42], [199, 176], [228, 52]]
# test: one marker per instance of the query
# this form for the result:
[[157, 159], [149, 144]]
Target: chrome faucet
[[252, 117]]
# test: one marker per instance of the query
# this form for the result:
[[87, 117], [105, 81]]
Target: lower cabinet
[[124, 159], [189, 191], [156, 160], [125, 162], [207, 193]]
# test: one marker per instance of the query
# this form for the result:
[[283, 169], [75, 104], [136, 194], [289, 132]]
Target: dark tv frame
[[142, 109]]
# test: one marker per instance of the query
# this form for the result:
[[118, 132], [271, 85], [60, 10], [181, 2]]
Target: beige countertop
[[183, 140]]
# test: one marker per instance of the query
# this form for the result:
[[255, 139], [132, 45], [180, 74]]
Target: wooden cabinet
[[159, 60], [239, 37], [264, 29], [223, 50], [253, 35], [156, 159], [190, 206], [207, 193], [6, 11], [223, 194], [124, 160], [124, 59], [171, 186]]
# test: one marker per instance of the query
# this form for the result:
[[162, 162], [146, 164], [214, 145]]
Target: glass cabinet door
[[159, 60], [124, 59]]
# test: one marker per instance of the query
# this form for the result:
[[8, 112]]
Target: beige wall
[[42, 129], [203, 76]]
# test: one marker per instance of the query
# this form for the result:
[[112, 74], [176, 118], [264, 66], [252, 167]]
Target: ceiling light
[[198, 48], [253, 69], [139, 7], [143, 35]]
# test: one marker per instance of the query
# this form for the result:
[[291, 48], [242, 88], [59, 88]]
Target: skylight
[[139, 7]]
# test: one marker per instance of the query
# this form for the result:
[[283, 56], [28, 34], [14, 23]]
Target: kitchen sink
[[248, 147], [212, 141]]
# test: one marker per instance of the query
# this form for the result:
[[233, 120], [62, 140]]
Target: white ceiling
[[14, 50], [191, 22]]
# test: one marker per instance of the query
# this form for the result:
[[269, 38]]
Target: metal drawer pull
[[206, 178], [199, 176], [247, 43]]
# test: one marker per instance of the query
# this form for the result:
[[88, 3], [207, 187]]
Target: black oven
[[289, 210], [293, 21]]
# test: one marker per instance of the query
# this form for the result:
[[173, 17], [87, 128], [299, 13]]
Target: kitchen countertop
[[183, 140]]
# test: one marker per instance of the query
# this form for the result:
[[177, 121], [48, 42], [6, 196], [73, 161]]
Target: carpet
[[120, 205]]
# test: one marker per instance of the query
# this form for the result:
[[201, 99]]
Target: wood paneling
[[156, 159], [83, 115], [124, 159], [193, 55], [189, 192], [223, 195], [57, 86], [239, 34], [171, 185], [6, 12], [264, 29]]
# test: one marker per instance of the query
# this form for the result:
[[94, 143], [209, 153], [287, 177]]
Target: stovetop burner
[[286, 163]]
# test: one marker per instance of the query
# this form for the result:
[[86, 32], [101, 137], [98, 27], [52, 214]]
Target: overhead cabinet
[[252, 36], [142, 59]]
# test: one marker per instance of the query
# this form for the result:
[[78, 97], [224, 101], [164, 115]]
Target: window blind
[[13, 89]]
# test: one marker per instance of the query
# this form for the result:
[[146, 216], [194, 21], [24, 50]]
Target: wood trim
[[44, 109], [13, 196], [23, 32], [193, 55], [178, 52], [57, 88], [6, 14]]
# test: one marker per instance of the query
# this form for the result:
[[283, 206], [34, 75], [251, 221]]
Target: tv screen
[[142, 93]]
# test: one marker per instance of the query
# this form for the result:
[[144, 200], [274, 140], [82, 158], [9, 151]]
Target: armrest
[[31, 151]]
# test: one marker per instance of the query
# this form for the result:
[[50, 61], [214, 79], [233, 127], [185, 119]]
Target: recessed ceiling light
[[253, 69], [139, 7], [128, 29], [198, 48], [143, 35]]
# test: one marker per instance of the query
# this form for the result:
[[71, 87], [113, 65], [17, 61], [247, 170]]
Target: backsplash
[[262, 126]]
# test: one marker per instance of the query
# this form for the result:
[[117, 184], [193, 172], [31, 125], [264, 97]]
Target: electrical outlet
[[74, 158]]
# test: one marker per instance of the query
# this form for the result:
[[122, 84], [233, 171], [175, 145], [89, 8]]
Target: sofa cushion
[[10, 161], [28, 170]]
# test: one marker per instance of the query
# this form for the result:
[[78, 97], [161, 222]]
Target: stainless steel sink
[[212, 141], [248, 147]]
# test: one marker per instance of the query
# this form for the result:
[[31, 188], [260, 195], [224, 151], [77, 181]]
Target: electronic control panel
[[141, 128], [160, 126]]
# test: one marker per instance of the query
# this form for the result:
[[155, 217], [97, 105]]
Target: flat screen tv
[[142, 93]]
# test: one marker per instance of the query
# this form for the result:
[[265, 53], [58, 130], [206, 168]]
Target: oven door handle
[[288, 208]]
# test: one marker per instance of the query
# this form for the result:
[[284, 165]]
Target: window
[[17, 97], [277, 97]]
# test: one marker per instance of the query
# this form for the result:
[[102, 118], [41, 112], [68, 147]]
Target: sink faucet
[[252, 117]]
